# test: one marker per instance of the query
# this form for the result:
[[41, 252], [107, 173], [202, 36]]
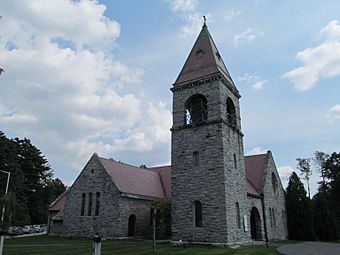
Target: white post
[[3, 212], [97, 245]]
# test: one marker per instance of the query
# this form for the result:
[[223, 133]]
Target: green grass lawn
[[45, 245]]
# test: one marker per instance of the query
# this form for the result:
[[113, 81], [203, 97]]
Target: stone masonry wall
[[215, 182], [274, 199], [92, 181]]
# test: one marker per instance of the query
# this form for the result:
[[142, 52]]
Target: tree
[[299, 214], [332, 177], [32, 187], [319, 160], [324, 218], [304, 167]]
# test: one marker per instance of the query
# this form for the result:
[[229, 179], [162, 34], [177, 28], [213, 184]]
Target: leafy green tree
[[305, 169], [299, 213]]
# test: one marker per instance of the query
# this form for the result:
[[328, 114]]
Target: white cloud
[[254, 80], [257, 150], [183, 5], [232, 14], [334, 112], [285, 172], [188, 13], [247, 36], [320, 62], [331, 30], [61, 83]]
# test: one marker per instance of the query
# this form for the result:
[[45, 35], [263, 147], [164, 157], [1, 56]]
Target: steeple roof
[[204, 60]]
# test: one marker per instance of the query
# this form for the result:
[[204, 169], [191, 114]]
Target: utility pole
[[3, 212]]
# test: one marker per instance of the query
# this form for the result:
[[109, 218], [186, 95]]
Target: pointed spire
[[204, 60]]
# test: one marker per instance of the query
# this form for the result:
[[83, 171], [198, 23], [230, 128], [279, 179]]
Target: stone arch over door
[[132, 225], [255, 224]]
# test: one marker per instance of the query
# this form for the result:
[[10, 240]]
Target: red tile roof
[[204, 60], [134, 180], [255, 165]]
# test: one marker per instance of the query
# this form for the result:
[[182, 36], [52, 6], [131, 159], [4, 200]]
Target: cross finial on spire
[[205, 20]]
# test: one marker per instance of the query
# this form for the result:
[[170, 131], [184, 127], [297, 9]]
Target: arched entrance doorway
[[132, 223], [255, 224]]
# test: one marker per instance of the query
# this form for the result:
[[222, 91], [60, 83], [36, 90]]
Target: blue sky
[[94, 76]]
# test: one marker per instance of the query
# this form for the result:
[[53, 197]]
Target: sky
[[95, 76]]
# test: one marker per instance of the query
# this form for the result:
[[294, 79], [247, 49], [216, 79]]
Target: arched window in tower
[[231, 113], [82, 206], [89, 209], [96, 213], [274, 182], [195, 158], [238, 216], [235, 161], [196, 110], [198, 213]]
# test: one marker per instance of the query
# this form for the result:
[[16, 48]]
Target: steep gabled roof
[[165, 173], [134, 180], [204, 60], [255, 166]]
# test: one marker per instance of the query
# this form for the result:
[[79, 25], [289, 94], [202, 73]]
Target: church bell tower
[[209, 196]]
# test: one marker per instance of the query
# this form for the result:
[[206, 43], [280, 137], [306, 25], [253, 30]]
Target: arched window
[[195, 158], [231, 113], [274, 182], [82, 207], [238, 216], [89, 209], [235, 161], [198, 213], [196, 110], [97, 203]]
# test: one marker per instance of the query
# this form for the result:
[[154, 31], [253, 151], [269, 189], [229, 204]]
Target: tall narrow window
[[274, 182], [274, 220], [271, 217], [231, 113], [235, 161], [196, 159], [97, 203], [89, 209], [198, 213], [82, 207], [196, 110], [238, 216]]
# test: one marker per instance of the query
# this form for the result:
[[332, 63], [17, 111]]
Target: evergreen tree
[[32, 187], [299, 214], [324, 218], [332, 176]]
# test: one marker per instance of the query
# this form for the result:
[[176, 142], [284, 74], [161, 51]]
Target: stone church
[[218, 195]]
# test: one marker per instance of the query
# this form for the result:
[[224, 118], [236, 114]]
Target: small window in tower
[[218, 55], [238, 216], [231, 113], [198, 213], [92, 171], [196, 110], [235, 161], [199, 53], [196, 159]]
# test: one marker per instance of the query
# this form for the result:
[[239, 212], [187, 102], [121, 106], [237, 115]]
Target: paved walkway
[[310, 248]]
